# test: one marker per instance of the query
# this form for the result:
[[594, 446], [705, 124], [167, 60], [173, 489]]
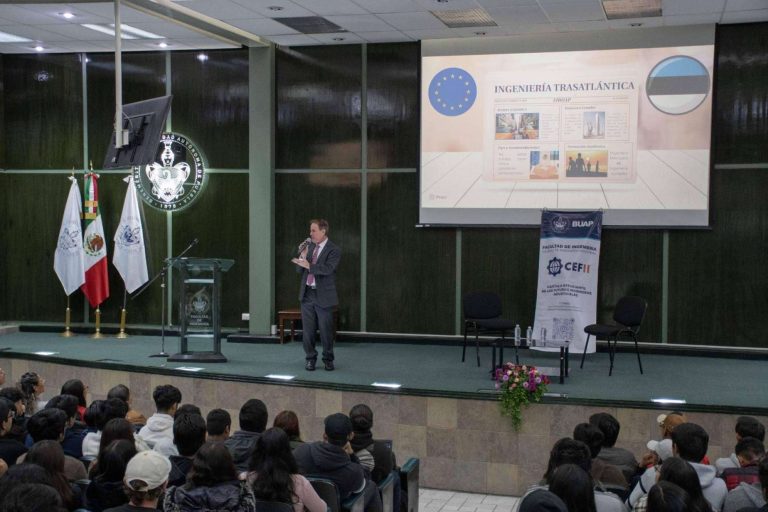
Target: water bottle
[[529, 336], [517, 335], [543, 336]]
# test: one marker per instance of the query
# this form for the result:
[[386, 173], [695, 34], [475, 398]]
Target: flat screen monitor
[[144, 121]]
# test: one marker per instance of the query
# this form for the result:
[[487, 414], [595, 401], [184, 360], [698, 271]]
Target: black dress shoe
[[329, 366], [310, 366]]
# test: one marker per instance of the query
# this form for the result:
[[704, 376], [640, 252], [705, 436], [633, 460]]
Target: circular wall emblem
[[677, 85], [452, 91], [176, 177]]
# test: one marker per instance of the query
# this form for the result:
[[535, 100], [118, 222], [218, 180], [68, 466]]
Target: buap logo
[[559, 224], [452, 91]]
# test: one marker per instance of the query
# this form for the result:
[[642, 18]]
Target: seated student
[[601, 472], [375, 456], [681, 473], [575, 487], [218, 424], [749, 451], [49, 455], [334, 459], [188, 437], [31, 386], [168, 446], [609, 453], [105, 488], [160, 425], [274, 475], [49, 425], [146, 477], [117, 429], [212, 485], [10, 449], [75, 431], [253, 421], [542, 500], [76, 388], [569, 451], [750, 497], [690, 442], [659, 451], [668, 497], [19, 426], [32, 497], [109, 409], [122, 392], [746, 426], [289, 422]]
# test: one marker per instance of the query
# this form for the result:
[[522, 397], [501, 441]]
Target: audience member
[[19, 425], [146, 477], [105, 489], [575, 487], [188, 437], [334, 459], [659, 451], [76, 388], [212, 485], [750, 497], [2, 376], [110, 409], [668, 422], [160, 425], [49, 455], [289, 422], [746, 426], [601, 471], [32, 498], [749, 451], [253, 421], [168, 446], [375, 456], [681, 473], [668, 497], [10, 449], [274, 474], [188, 409], [25, 473], [122, 392], [542, 500], [609, 453], [31, 386], [49, 425], [218, 424], [118, 429], [690, 442], [75, 431]]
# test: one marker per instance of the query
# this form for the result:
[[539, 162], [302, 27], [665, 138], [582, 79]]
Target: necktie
[[310, 276]]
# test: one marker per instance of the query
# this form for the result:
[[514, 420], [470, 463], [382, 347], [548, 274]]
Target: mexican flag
[[96, 287]]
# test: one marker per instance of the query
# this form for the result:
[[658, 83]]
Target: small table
[[291, 315], [562, 345]]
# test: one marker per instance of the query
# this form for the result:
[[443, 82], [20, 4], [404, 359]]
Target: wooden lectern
[[200, 307]]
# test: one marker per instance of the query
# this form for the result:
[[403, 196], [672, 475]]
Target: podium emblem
[[176, 177]]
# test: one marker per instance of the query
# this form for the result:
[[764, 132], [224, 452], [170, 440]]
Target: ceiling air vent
[[465, 18], [310, 25], [623, 9]]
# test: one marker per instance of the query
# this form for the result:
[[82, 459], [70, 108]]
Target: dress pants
[[314, 317]]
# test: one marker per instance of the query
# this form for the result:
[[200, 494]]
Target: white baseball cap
[[147, 470]]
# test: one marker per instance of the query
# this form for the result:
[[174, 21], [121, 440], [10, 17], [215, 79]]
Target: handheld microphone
[[304, 244]]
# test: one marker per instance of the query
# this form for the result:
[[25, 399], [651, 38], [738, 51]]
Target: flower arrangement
[[519, 385]]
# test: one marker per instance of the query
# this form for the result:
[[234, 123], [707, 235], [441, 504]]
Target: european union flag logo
[[452, 91]]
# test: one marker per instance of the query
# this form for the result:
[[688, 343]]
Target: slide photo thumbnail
[[587, 163], [522, 126], [545, 165], [593, 123]]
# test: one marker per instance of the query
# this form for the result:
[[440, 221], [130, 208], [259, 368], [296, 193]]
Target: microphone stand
[[163, 274]]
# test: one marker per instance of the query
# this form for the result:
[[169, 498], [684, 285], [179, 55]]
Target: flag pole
[[67, 319], [122, 334], [97, 334]]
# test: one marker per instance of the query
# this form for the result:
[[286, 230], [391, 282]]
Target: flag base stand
[[97, 335], [122, 334], [67, 332]]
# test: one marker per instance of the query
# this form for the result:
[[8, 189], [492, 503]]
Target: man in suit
[[317, 263]]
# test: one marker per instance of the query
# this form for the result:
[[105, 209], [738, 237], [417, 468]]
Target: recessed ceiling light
[[441, 1], [39, 48], [202, 57], [481, 33], [338, 38], [275, 8], [10, 38], [68, 15], [635, 24]]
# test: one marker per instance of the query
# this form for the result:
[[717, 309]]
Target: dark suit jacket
[[324, 270]]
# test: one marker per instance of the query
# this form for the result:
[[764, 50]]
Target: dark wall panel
[[393, 105], [32, 206], [718, 278], [318, 107], [2, 116], [43, 111], [336, 198], [210, 104], [741, 113], [411, 271], [219, 220], [143, 78]]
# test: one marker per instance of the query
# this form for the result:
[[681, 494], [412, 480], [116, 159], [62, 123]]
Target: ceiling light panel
[[623, 9], [5, 37], [465, 18]]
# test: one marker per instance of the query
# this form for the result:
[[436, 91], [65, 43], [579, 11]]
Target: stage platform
[[443, 409]]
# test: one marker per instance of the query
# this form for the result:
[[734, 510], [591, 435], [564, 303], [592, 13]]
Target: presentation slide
[[626, 130]]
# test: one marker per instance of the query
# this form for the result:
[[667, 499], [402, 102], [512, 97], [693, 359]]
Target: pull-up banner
[[566, 300]]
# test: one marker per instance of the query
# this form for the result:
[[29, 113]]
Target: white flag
[[69, 260], [130, 251]]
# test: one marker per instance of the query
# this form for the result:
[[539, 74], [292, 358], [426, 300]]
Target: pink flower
[[505, 378], [537, 380], [497, 385], [513, 386], [525, 385]]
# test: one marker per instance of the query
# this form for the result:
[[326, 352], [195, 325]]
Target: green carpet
[[705, 383]]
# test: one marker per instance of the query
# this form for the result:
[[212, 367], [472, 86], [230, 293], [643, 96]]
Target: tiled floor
[[433, 500]]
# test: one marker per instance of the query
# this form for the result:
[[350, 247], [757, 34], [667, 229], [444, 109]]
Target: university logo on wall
[[176, 177]]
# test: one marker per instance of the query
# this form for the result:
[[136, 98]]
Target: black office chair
[[482, 311], [628, 315], [329, 493]]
